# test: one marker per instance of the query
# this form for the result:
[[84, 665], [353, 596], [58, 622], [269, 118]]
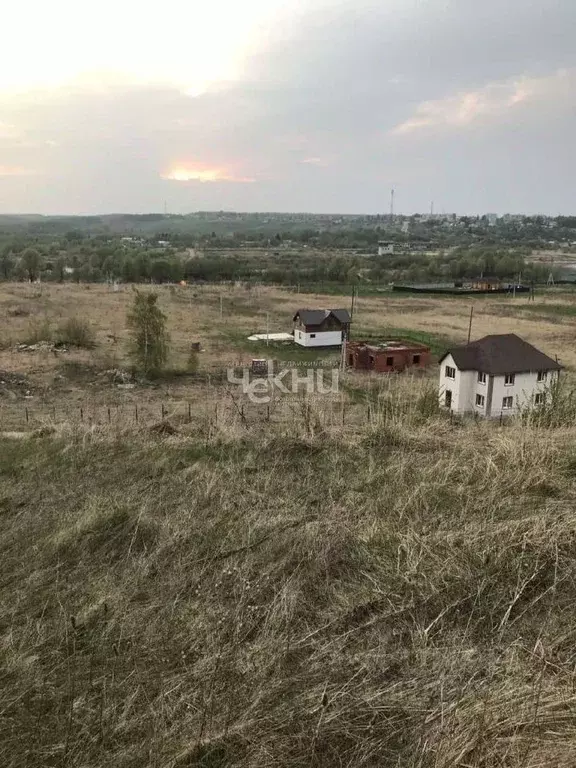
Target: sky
[[282, 105]]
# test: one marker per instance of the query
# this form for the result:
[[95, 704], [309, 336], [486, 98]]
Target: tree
[[6, 263], [129, 270], [59, 269], [147, 323], [32, 262], [160, 270]]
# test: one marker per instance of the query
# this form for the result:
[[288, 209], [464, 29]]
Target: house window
[[450, 372], [416, 359], [507, 402], [540, 398], [481, 378], [509, 379], [312, 335], [542, 375], [390, 362], [480, 401]]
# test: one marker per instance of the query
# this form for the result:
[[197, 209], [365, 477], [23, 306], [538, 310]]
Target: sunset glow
[[196, 173], [14, 171]]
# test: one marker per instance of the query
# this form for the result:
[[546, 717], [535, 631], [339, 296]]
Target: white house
[[385, 248], [496, 375], [321, 327]]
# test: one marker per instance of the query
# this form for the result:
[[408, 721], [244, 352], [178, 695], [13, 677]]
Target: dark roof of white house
[[501, 354], [317, 316]]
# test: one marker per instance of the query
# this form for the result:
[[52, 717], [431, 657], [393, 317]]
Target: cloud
[[489, 103], [469, 104]]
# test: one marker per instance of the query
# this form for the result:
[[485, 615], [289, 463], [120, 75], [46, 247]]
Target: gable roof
[[499, 355], [317, 316]]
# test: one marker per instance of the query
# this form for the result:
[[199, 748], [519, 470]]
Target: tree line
[[94, 262]]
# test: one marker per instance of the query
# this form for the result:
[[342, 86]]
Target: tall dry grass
[[392, 592]]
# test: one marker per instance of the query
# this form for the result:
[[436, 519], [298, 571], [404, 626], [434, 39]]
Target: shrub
[[193, 361], [76, 332], [38, 330]]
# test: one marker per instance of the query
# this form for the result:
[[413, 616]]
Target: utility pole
[[470, 323], [352, 304], [221, 308], [267, 327]]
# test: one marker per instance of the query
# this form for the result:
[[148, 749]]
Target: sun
[[202, 173]]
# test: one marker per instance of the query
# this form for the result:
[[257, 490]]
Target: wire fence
[[219, 411], [312, 412]]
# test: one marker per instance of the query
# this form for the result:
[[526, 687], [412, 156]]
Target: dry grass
[[194, 315], [281, 588], [396, 594], [68, 382]]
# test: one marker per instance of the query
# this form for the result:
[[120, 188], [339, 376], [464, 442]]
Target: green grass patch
[[284, 351], [541, 308]]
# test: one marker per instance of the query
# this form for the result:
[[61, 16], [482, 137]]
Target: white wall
[[465, 386], [462, 387], [468, 390], [318, 339], [523, 390]]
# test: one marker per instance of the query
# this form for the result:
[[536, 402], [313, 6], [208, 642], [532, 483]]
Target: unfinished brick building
[[387, 356]]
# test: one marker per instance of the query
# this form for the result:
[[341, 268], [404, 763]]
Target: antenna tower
[[391, 205]]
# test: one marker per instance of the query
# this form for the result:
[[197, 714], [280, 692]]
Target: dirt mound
[[163, 428]]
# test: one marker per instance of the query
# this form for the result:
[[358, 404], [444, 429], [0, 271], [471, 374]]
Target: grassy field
[[350, 580], [73, 382]]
